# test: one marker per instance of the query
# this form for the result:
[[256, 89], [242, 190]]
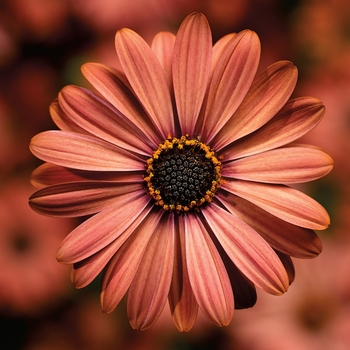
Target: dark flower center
[[183, 174]]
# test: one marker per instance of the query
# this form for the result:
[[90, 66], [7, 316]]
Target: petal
[[191, 68], [288, 265], [149, 289], [85, 271], [147, 79], [284, 202], [287, 165], [296, 118], [248, 251], [231, 80], [122, 268], [82, 152], [113, 86], [163, 46], [218, 49], [49, 174], [99, 118], [269, 92], [82, 198], [101, 229], [208, 276], [182, 302], [287, 238]]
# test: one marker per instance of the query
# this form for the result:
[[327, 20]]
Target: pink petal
[[123, 266], [296, 118], [248, 251], [183, 304], [101, 229], [82, 152], [284, 202], [163, 46], [279, 234], [147, 79], [208, 276], [287, 165], [85, 271], [231, 80], [114, 87], [149, 289], [97, 117], [82, 198], [288, 265], [191, 68], [218, 49], [269, 92]]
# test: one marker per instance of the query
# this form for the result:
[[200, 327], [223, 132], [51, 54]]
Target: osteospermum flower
[[181, 161]]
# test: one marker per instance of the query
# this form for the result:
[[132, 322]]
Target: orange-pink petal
[[249, 252], [288, 165], [286, 203], [149, 289], [147, 78]]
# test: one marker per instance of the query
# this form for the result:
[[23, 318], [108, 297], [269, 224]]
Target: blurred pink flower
[[181, 161], [31, 280]]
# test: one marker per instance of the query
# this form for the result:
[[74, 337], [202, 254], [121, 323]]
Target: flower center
[[183, 174]]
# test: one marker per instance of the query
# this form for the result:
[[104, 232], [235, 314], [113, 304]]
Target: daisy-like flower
[[182, 162]]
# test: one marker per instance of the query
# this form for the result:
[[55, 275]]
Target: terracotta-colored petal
[[113, 86], [99, 118], [248, 251], [147, 79], [49, 174], [163, 46], [208, 276], [82, 152], [296, 118], [182, 302], [230, 82], [269, 92], [218, 48], [288, 265], [284, 202], [286, 165], [279, 234], [82, 198], [101, 229], [191, 68], [85, 271], [122, 267], [149, 289]]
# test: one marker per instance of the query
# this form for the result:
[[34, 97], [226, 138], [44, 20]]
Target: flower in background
[[31, 280], [182, 162]]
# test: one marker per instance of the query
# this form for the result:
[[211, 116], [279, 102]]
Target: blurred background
[[42, 45]]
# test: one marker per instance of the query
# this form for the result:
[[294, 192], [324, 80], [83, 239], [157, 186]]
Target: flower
[[182, 165]]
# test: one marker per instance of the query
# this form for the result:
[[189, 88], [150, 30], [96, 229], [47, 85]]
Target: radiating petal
[[286, 165], [163, 46], [231, 80], [49, 174], [296, 118], [99, 118], [147, 79], [248, 251], [113, 86], [82, 198], [284, 202], [288, 265], [279, 234], [269, 92], [182, 302], [218, 48], [149, 289], [101, 229], [122, 267], [191, 68], [208, 276], [83, 152], [85, 271]]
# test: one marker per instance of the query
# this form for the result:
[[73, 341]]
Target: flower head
[[182, 161]]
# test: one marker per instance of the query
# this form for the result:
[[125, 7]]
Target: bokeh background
[[42, 45]]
